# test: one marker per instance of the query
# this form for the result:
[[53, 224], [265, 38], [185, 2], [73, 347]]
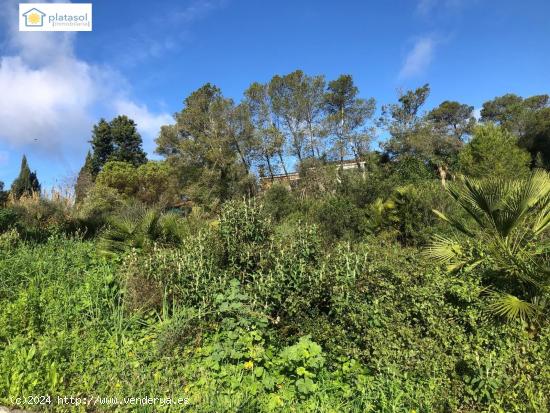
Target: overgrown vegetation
[[339, 291]]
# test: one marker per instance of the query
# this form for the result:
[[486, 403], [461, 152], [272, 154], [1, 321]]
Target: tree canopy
[[26, 182]]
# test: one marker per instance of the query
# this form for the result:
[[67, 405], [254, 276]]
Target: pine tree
[[26, 183], [102, 145], [117, 140], [494, 152], [85, 179], [127, 141]]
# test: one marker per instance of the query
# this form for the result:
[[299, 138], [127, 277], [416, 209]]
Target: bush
[[494, 152], [188, 276], [359, 327], [152, 183], [339, 218], [8, 218], [407, 216], [245, 230], [279, 202]]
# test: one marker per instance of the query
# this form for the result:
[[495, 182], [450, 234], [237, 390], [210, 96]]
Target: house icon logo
[[34, 18]]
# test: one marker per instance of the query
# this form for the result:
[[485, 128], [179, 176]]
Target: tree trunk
[[269, 168], [358, 163], [243, 160], [282, 162]]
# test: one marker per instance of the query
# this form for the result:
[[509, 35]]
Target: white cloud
[[51, 98], [44, 104], [419, 58]]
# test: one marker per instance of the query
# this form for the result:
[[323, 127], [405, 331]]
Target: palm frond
[[523, 197], [446, 251], [542, 218], [511, 307], [454, 223], [139, 228]]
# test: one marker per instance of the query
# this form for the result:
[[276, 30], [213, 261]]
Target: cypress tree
[[85, 179], [26, 183]]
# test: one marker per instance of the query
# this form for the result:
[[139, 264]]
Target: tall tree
[[536, 138], [85, 179], [26, 182], [102, 145], [507, 111], [202, 146], [296, 101], [453, 119], [241, 134], [116, 140], [3, 194], [402, 118], [270, 141], [528, 119], [347, 115], [127, 141], [312, 102], [434, 139]]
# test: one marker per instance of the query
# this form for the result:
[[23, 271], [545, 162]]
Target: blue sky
[[144, 57]]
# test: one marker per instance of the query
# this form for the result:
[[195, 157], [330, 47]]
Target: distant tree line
[[216, 146]]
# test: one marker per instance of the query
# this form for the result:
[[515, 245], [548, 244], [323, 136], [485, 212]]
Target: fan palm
[[140, 228], [508, 239]]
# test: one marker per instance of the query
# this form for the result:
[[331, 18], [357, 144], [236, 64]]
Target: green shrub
[[406, 215], [8, 218], [279, 202], [243, 315], [245, 231], [339, 218]]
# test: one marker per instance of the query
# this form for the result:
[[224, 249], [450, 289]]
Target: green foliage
[[537, 137], [311, 297], [279, 202], [346, 118], [85, 179], [245, 231], [99, 203], [120, 176], [411, 169], [3, 194], [378, 330], [339, 217], [117, 140], [152, 183], [8, 218], [507, 240], [493, 152], [453, 118], [127, 141], [138, 227], [26, 182], [210, 147], [406, 215], [102, 145]]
